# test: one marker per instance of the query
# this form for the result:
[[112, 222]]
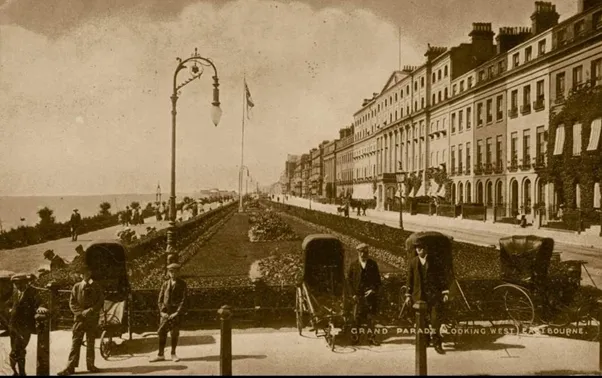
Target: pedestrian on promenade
[[426, 281], [158, 212], [86, 302], [56, 262], [128, 216], [25, 304], [363, 278], [172, 298], [75, 223]]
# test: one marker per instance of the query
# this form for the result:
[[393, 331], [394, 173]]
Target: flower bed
[[267, 226]]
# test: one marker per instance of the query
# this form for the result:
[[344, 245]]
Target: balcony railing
[[478, 169], [498, 167], [525, 109], [538, 104], [526, 165], [539, 162], [513, 113], [513, 165], [488, 168]]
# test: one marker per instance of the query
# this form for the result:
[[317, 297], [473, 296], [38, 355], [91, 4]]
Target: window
[[499, 110], [489, 110], [453, 123], [541, 46], [526, 96], [408, 89], [540, 148], [453, 158], [597, 20], [498, 151], [514, 147], [479, 152], [460, 120], [433, 98], [385, 102], [539, 91], [560, 85], [500, 67], [468, 118], [479, 114], [514, 100], [515, 60], [462, 86], [422, 82], [446, 95], [488, 151], [401, 93], [526, 146], [445, 71], [561, 37], [469, 80], [439, 96], [577, 75], [577, 139], [528, 53], [481, 75], [454, 89], [490, 72], [434, 77], [422, 103], [439, 74], [468, 156], [597, 71], [579, 28], [460, 158], [416, 85]]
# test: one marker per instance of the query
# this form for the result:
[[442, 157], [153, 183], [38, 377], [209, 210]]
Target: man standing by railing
[[86, 302], [172, 298], [364, 283]]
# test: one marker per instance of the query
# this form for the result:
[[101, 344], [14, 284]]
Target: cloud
[[90, 111]]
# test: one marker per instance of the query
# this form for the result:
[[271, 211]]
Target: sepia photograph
[[300, 187]]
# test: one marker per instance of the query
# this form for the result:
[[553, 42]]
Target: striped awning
[[559, 141], [594, 135]]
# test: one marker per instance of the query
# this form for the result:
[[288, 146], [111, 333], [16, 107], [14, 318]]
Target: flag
[[250, 103]]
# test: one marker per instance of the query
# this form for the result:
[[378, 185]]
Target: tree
[[104, 209], [46, 217], [135, 205]]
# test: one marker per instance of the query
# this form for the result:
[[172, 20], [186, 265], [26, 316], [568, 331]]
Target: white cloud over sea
[[89, 111]]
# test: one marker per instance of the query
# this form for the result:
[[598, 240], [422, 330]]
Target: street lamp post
[[196, 71], [401, 176], [242, 168]]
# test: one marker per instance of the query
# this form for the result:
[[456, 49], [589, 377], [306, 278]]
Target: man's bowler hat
[[48, 253]]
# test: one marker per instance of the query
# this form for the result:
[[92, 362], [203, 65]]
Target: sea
[[23, 210]]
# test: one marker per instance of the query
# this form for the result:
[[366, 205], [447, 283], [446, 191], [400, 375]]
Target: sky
[[85, 85]]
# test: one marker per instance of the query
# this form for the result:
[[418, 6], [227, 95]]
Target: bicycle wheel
[[106, 345], [517, 303]]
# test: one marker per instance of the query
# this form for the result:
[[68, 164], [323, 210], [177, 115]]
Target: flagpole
[[242, 147]]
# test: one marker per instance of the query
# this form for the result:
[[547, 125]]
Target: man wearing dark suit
[[25, 305], [364, 281], [427, 282], [56, 262], [172, 298], [86, 302], [75, 222]]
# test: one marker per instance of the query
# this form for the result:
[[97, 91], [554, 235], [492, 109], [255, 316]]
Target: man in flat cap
[[56, 262], [78, 261], [363, 279], [86, 302], [25, 305], [75, 222], [172, 298], [426, 281]]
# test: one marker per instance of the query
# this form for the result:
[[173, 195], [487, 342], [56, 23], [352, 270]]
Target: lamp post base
[[172, 254]]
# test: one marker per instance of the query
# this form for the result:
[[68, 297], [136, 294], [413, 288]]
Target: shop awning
[[559, 141]]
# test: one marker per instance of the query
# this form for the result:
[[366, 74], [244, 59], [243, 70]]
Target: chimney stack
[[544, 17], [508, 37], [482, 41]]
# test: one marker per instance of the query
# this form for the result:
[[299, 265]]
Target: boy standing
[[172, 298]]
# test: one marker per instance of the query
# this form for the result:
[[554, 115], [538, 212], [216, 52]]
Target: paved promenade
[[586, 247], [29, 259], [284, 352]]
